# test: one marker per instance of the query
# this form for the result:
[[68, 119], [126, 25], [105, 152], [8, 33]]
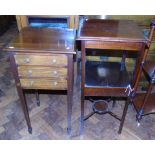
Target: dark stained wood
[[112, 35], [82, 87], [44, 51], [143, 55], [106, 74], [144, 104], [150, 103], [117, 92], [110, 30], [44, 39], [133, 46], [138, 66], [149, 70], [70, 83], [20, 92], [37, 98]]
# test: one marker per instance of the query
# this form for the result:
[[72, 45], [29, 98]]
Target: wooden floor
[[49, 121]]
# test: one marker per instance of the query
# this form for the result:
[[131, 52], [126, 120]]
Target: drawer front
[[45, 60], [56, 84], [46, 72]]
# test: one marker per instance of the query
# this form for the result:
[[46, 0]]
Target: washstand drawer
[[57, 84], [37, 71], [45, 60]]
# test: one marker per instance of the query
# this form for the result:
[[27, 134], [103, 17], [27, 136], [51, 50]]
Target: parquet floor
[[49, 121]]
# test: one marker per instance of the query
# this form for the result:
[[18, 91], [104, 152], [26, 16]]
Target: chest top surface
[[43, 39], [110, 30]]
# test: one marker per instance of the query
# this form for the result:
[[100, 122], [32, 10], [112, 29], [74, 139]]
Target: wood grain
[[50, 60], [56, 84], [111, 45], [44, 72]]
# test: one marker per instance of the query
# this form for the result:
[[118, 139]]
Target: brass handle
[[26, 60], [31, 83], [55, 72], [55, 83], [54, 61], [29, 72]]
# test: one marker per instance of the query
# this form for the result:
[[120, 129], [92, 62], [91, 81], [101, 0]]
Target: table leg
[[20, 92], [37, 97], [113, 103], [83, 58], [82, 116], [78, 76], [141, 110], [70, 91], [123, 116], [25, 108], [69, 111]]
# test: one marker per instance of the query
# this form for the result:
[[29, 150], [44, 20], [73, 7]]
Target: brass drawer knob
[[26, 60], [31, 83], [54, 61], [55, 72], [55, 83], [29, 72]]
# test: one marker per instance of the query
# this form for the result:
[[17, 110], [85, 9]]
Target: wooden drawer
[[46, 72], [45, 60], [56, 84]]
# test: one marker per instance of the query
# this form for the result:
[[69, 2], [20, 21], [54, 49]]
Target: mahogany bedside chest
[[42, 59]]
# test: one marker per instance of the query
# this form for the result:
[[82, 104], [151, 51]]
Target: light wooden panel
[[46, 72], [50, 60], [22, 21], [57, 84]]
